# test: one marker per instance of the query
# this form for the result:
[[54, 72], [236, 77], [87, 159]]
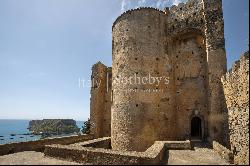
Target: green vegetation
[[86, 127], [53, 126]]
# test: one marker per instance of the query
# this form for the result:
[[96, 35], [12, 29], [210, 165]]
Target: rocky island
[[53, 126]]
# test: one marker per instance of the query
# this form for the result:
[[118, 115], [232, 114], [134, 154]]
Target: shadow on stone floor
[[200, 144]]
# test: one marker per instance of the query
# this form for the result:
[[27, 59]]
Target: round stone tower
[[142, 91]]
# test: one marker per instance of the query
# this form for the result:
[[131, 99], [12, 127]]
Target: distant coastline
[[15, 130]]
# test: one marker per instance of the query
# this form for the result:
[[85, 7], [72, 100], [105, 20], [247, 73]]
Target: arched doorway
[[196, 128]]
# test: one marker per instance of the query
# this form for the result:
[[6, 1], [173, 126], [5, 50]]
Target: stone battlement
[[134, 10], [236, 91]]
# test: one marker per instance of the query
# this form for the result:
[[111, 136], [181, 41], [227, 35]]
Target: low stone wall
[[224, 152], [97, 143], [39, 145], [84, 153], [177, 145]]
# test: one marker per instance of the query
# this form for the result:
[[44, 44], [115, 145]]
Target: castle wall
[[205, 18], [108, 103], [141, 117], [191, 83], [189, 40], [100, 102], [184, 17], [216, 60], [236, 91], [39, 145], [184, 46]]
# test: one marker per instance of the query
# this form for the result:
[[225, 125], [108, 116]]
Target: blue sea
[[15, 130]]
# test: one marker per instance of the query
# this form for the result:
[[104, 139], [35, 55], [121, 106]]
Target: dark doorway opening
[[196, 128]]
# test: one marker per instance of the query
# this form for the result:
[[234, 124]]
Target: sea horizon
[[14, 130], [43, 118]]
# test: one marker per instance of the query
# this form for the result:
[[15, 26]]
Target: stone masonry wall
[[186, 39], [141, 112], [191, 83], [217, 67], [97, 152], [184, 43], [184, 17], [39, 145], [100, 102], [236, 90]]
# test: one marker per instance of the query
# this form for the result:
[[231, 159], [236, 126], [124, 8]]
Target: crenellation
[[186, 16], [236, 91], [214, 24], [134, 10]]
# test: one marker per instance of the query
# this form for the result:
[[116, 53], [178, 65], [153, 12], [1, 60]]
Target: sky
[[46, 46]]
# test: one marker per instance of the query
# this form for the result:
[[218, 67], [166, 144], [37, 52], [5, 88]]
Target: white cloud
[[126, 5], [161, 4], [36, 75], [123, 5], [158, 4], [176, 2], [141, 2]]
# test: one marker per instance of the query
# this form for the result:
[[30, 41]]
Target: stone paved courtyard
[[198, 156], [31, 158]]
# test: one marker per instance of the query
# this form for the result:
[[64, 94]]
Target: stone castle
[[185, 44], [167, 99]]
